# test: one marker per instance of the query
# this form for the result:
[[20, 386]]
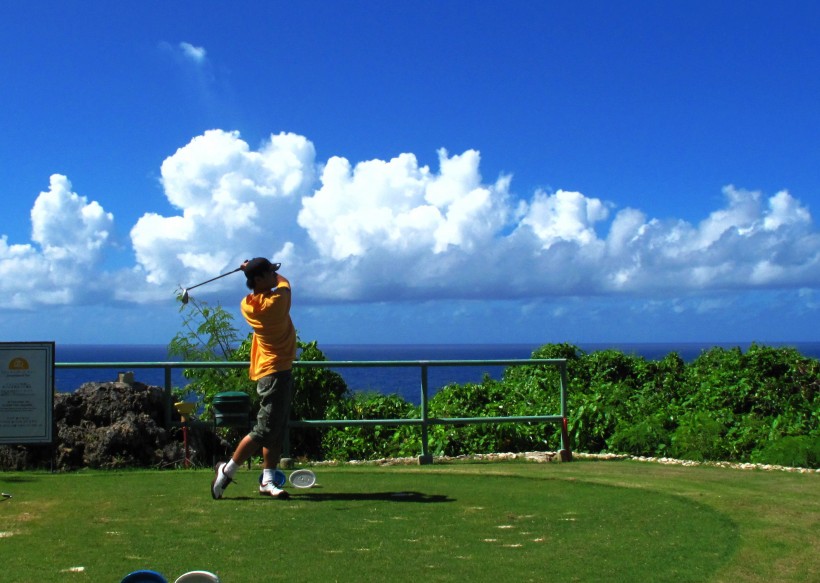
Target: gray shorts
[[276, 393]]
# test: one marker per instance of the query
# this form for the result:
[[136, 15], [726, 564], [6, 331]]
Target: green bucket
[[231, 409]]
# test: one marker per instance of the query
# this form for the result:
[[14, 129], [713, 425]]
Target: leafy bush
[[371, 442], [721, 406], [699, 437], [491, 399], [802, 451], [762, 395], [316, 389], [645, 437]]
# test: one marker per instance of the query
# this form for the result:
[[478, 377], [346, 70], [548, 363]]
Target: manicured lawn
[[518, 521]]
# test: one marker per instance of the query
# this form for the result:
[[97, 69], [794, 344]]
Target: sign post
[[26, 392]]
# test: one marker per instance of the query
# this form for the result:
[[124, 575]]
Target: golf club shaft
[[214, 278]]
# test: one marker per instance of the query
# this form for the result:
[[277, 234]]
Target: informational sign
[[26, 392]]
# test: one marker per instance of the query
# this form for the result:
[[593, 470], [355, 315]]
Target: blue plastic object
[[144, 576], [279, 478]]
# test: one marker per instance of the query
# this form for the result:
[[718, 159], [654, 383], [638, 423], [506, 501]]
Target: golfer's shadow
[[405, 496], [19, 479]]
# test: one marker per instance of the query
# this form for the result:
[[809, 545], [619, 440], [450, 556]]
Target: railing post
[[566, 450], [168, 399], [425, 457]]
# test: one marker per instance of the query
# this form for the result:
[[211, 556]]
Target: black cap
[[259, 266]]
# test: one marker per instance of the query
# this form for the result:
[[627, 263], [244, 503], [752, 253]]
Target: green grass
[[584, 521]]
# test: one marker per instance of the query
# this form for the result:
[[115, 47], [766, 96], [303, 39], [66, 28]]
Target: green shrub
[[316, 389], [492, 398], [699, 437], [647, 437], [371, 442], [800, 451]]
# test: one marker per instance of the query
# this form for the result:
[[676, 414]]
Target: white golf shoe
[[270, 489], [220, 481]]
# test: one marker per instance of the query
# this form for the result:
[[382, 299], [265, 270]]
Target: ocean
[[404, 381]]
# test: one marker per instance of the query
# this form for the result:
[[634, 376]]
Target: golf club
[[187, 289]]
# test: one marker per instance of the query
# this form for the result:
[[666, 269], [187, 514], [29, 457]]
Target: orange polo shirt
[[273, 347]]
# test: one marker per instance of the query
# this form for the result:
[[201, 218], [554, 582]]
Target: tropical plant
[[208, 335]]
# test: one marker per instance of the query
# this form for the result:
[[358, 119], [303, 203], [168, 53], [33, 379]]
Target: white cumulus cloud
[[381, 230], [564, 216], [233, 202], [386, 230], [402, 208], [70, 237], [67, 226]]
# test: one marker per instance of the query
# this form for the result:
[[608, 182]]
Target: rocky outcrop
[[114, 425]]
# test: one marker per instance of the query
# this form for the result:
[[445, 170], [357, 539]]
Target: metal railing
[[424, 421]]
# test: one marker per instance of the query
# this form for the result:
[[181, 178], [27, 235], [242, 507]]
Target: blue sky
[[425, 171]]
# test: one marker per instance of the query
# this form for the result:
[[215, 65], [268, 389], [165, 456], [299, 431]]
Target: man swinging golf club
[[273, 350]]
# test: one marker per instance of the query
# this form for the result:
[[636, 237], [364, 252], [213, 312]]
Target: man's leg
[[277, 402], [246, 448], [279, 399], [224, 472], [271, 457]]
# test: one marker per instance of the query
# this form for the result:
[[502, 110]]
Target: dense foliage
[[372, 441], [761, 405], [208, 335]]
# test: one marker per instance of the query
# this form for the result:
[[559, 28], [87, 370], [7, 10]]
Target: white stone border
[[551, 456]]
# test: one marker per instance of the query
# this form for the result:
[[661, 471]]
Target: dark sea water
[[404, 381]]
